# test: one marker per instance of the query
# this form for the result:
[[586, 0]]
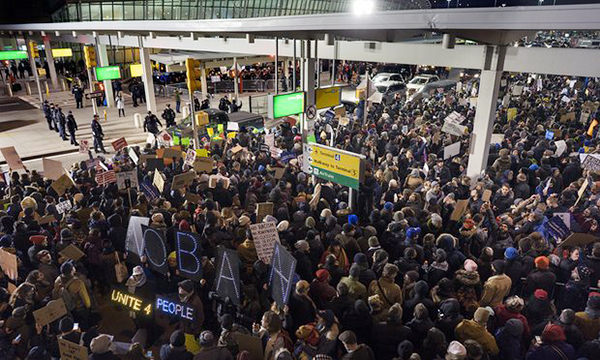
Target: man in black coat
[[78, 94], [98, 135], [47, 114], [169, 116], [62, 124], [72, 127], [302, 308]]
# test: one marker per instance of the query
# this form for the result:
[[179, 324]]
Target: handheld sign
[[155, 250], [135, 237], [131, 302], [283, 266], [71, 351], [174, 308], [127, 180], [12, 158], [265, 236], [54, 310], [8, 263], [228, 275], [189, 254], [52, 169], [119, 144], [72, 252]]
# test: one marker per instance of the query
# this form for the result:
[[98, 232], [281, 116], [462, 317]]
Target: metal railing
[[226, 87]]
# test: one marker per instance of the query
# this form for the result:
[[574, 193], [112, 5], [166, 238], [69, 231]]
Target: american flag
[[106, 177], [557, 228], [149, 190]]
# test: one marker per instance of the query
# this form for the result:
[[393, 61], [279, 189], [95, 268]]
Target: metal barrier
[[226, 86], [259, 104]]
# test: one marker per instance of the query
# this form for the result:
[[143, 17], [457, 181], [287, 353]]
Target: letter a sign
[[228, 275], [283, 266]]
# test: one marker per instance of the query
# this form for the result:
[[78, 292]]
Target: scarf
[[132, 284]]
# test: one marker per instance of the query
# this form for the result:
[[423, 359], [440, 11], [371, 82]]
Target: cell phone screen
[[149, 354], [76, 326]]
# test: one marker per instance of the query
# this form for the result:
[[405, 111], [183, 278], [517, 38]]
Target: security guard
[[98, 135]]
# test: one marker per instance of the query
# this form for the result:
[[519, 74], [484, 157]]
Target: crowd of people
[[427, 263]]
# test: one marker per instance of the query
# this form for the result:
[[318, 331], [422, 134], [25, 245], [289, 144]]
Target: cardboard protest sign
[[193, 198], [487, 194], [145, 157], [252, 344], [62, 184], [455, 117], [119, 144], [227, 279], [579, 239], [54, 310], [283, 267], [135, 238], [127, 180], [451, 150], [52, 169], [265, 236], [236, 149], [183, 180], [201, 153], [582, 190], [158, 181], [189, 253], [72, 252], [264, 209], [12, 158], [570, 116], [71, 351], [454, 129], [278, 172], [168, 154], [190, 157], [203, 164], [459, 210], [84, 146], [134, 156], [497, 139], [213, 180], [64, 206], [8, 263], [155, 250]]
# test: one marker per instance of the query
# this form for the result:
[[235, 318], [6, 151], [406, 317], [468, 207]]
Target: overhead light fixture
[[363, 7]]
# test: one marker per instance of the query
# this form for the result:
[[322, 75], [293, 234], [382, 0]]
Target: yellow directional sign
[[339, 166], [328, 97]]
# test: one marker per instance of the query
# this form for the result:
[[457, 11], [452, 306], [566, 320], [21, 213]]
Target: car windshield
[[380, 78], [418, 81]]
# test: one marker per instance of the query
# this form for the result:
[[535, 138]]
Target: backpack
[[66, 296]]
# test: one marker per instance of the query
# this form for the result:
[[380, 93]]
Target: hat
[[481, 316], [553, 333], [302, 245], [514, 327], [354, 271], [515, 303], [521, 177], [322, 275], [360, 258], [348, 337], [499, 266], [352, 219], [388, 206], [138, 270], [540, 294], [283, 225], [413, 231], [511, 253], [100, 344], [177, 338], [594, 301], [542, 262], [37, 239], [66, 268], [373, 241], [533, 167], [567, 316], [187, 286], [470, 265], [206, 338], [456, 351], [244, 220], [65, 324], [66, 234]]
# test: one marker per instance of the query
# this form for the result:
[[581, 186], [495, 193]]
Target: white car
[[383, 81], [418, 82]]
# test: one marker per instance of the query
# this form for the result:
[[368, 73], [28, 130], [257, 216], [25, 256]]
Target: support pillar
[[34, 71], [108, 88], [147, 79], [307, 78], [276, 65], [236, 85], [203, 83], [50, 60], [489, 86]]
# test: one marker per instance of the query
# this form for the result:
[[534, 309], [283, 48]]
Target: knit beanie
[[456, 351], [514, 327], [177, 338]]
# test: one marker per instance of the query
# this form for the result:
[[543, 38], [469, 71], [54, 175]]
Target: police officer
[[62, 124], [205, 104], [54, 116], [98, 135], [72, 127], [224, 104], [169, 116], [47, 114], [78, 94], [151, 124]]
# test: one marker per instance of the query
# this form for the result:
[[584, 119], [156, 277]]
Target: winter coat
[[449, 318], [356, 290], [387, 336], [167, 352], [510, 346], [548, 351], [539, 279], [494, 290], [389, 292], [469, 329], [589, 326], [363, 352]]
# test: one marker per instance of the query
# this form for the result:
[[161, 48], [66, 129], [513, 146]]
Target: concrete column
[[236, 86], [50, 60], [35, 73], [203, 83], [108, 88], [307, 78], [489, 86], [147, 79]]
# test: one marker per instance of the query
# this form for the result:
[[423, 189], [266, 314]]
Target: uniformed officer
[[72, 127], [169, 116], [98, 135]]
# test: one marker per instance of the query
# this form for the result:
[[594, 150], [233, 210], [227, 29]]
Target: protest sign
[[278, 172], [174, 308], [487, 194], [149, 190], [145, 157], [64, 206], [84, 146], [52, 169], [252, 344], [549, 135], [119, 144], [591, 162], [155, 164], [497, 139], [189, 253], [451, 150], [236, 149], [127, 180], [71, 351], [579, 239], [213, 180], [164, 138], [455, 117], [54, 310], [581, 191], [62, 184], [566, 218], [473, 102], [193, 198], [132, 302], [158, 181], [72, 252], [561, 146], [264, 209], [459, 209], [203, 164], [201, 153], [454, 129], [183, 180], [228, 275], [12, 158], [570, 116], [155, 250], [286, 156], [106, 177], [511, 114], [135, 239], [134, 156], [190, 157], [283, 267], [517, 90], [233, 126], [565, 99], [265, 236], [270, 140], [8, 263]]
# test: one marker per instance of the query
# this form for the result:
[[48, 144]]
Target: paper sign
[[64, 206], [565, 99], [570, 116], [190, 157], [84, 146], [263, 209], [233, 126], [579, 239], [106, 177], [158, 181], [451, 150], [454, 129], [549, 135], [8, 263], [236, 149], [72, 252], [62, 184], [497, 138], [213, 180], [203, 164], [54, 310], [71, 351], [566, 218], [127, 180], [119, 144], [135, 238], [455, 117], [487, 194], [183, 180], [265, 236], [201, 153], [12, 158], [591, 162], [164, 138], [459, 210], [133, 155], [278, 172], [517, 90], [561, 146], [52, 169]]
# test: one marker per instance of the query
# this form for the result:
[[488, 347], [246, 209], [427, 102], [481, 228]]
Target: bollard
[[105, 116], [185, 111], [137, 120], [63, 84], [28, 88]]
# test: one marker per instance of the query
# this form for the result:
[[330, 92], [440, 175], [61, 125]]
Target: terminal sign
[[108, 73], [13, 55], [285, 105], [174, 308], [338, 166]]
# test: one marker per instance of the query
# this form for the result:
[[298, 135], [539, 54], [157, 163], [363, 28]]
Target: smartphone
[[538, 339], [76, 326], [149, 354], [18, 338]]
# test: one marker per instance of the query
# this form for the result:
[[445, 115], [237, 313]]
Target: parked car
[[430, 89], [418, 82], [390, 93], [383, 81]]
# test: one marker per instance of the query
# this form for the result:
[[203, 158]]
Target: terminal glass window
[[107, 13], [95, 12]]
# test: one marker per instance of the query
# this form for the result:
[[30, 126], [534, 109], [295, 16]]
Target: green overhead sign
[[13, 55], [286, 104], [108, 73]]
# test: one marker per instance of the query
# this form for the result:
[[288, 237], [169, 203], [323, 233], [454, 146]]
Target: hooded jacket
[[469, 329]]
